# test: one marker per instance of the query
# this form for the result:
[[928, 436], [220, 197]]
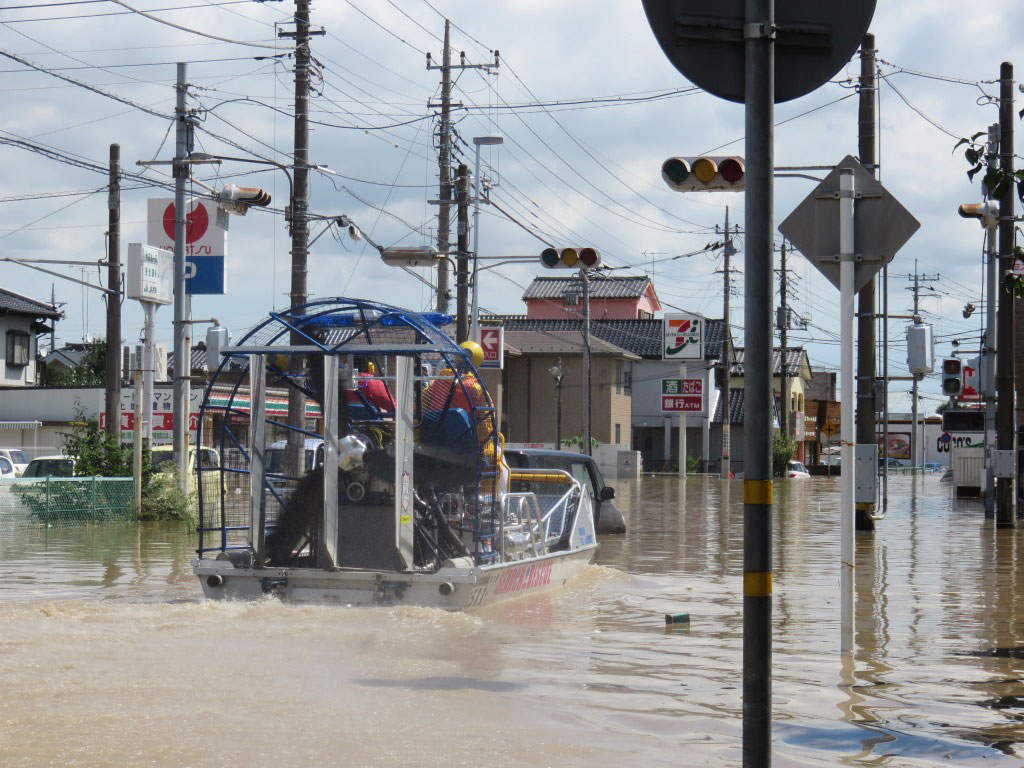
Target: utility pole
[[783, 342], [916, 289], [728, 251], [866, 301], [299, 294], [113, 361], [1006, 502], [585, 277], [462, 273], [444, 156], [180, 167]]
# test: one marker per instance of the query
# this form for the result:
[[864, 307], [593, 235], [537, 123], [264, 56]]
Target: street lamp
[[478, 141], [556, 371]]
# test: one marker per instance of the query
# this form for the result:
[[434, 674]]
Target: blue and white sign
[[204, 275]]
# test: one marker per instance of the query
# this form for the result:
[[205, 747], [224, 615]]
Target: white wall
[[17, 375]]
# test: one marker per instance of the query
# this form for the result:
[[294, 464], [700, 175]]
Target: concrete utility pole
[[181, 355], [113, 361], [298, 293], [916, 289], [866, 301], [783, 341], [1006, 434], [444, 155], [462, 268], [728, 251]]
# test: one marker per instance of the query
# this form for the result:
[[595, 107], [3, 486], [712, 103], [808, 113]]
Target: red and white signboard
[[969, 373], [492, 341], [682, 395]]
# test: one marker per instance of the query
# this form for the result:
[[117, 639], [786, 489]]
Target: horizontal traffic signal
[[707, 172], [952, 381], [570, 258]]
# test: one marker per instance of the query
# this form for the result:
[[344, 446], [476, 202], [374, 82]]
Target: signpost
[[728, 48], [492, 342], [682, 395], [206, 228]]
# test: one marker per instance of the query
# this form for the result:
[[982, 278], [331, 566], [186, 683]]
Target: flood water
[[109, 657]]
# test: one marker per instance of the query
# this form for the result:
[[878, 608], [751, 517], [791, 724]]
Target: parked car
[[50, 466], [6, 468], [933, 466], [796, 469], [16, 457], [607, 517]]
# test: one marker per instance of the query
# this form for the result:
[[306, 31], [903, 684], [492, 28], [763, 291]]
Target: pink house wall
[[611, 309]]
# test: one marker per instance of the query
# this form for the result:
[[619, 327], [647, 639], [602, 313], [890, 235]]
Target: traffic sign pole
[[759, 81], [682, 429], [847, 258]]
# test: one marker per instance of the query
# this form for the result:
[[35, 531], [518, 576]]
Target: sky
[[589, 107]]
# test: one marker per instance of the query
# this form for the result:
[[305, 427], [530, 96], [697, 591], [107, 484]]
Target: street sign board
[[492, 341], [150, 274], [206, 229], [682, 395], [970, 381], [881, 224], [705, 40], [829, 428], [683, 337]]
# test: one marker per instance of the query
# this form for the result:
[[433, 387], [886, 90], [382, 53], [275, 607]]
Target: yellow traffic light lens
[[705, 170], [570, 257]]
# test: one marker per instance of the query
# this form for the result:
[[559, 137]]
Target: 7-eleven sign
[[683, 337]]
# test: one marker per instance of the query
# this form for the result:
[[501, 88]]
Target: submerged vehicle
[[408, 498]]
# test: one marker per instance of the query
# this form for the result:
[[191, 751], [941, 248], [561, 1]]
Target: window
[[618, 434], [641, 314], [627, 380], [18, 347], [618, 377]]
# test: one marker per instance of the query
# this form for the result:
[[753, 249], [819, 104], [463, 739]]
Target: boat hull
[[459, 586]]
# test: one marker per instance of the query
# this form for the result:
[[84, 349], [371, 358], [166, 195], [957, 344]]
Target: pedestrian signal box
[[952, 380]]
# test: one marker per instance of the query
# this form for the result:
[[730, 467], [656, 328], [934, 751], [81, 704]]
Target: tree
[[90, 371], [783, 450]]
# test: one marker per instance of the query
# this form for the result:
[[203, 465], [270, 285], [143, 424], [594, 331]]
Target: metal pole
[[846, 424], [299, 293], [885, 386], [474, 330], [988, 369], [866, 301], [558, 407], [783, 341], [444, 168], [137, 440], [759, 81], [462, 268], [1006, 434], [149, 320], [586, 361], [682, 429], [728, 251], [113, 370], [180, 354]]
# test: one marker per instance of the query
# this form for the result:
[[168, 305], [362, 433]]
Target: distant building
[[21, 324], [611, 298]]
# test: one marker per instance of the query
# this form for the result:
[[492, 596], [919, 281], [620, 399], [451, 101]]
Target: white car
[[17, 458], [6, 468], [796, 469]]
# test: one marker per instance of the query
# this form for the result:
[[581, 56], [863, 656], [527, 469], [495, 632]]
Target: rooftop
[[15, 303], [601, 287]]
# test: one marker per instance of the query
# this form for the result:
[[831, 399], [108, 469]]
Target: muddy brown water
[[109, 657]]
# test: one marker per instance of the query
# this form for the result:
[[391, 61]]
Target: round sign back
[[704, 40]]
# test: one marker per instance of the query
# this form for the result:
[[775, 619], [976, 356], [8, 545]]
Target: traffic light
[[238, 200], [951, 378], [708, 173], [987, 213], [570, 258]]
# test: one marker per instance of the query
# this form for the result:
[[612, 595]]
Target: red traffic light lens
[[589, 257], [549, 256], [676, 169], [731, 169]]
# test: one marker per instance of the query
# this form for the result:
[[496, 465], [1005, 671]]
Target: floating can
[[677, 618]]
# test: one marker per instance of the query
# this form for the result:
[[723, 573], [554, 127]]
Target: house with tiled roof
[[612, 297], [22, 321]]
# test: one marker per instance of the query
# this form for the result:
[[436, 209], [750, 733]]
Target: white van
[[17, 458]]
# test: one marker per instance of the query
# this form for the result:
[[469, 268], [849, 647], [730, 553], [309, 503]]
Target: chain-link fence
[[53, 500]]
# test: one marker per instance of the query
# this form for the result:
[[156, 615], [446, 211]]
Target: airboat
[[384, 481]]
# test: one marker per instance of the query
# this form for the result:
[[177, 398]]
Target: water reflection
[[588, 675]]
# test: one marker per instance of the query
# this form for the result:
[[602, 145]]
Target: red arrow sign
[[493, 343]]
